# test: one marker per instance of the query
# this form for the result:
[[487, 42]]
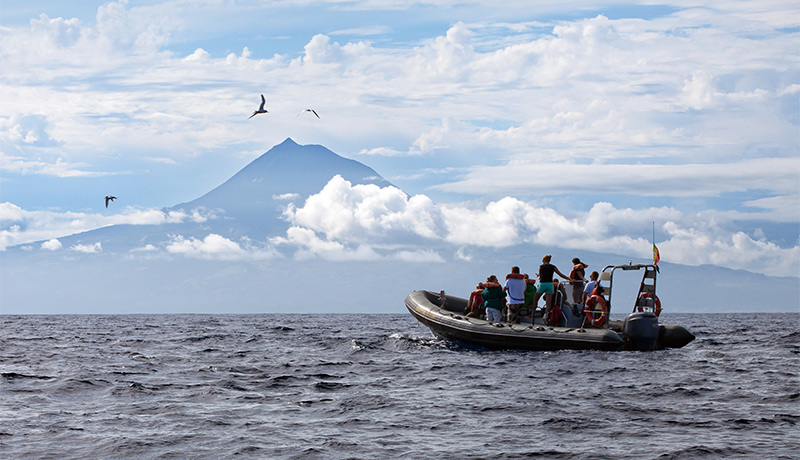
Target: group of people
[[519, 295]]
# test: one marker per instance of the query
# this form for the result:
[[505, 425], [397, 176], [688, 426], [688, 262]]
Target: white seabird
[[308, 110]]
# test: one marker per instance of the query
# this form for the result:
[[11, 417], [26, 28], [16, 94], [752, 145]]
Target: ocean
[[381, 387]]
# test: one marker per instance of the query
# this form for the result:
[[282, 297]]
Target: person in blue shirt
[[515, 291]]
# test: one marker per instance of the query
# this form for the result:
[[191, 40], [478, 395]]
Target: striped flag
[[656, 255]]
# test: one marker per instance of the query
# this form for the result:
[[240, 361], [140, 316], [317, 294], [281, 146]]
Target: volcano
[[252, 200]]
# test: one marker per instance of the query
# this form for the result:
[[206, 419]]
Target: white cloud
[[59, 168], [199, 55], [215, 246], [146, 248], [382, 151], [778, 175], [19, 226], [310, 246], [320, 50], [211, 245], [445, 58], [162, 160], [366, 30], [87, 248], [585, 88], [463, 254], [52, 245], [419, 256], [357, 216], [286, 197], [787, 206], [367, 213]]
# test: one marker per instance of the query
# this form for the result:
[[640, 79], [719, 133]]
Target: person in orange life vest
[[475, 306], [577, 280], [546, 271], [515, 292]]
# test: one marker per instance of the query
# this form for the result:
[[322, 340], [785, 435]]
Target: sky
[[576, 124]]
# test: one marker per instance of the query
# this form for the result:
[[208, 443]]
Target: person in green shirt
[[530, 294], [493, 296]]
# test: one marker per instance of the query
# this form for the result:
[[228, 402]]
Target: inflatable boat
[[445, 316]]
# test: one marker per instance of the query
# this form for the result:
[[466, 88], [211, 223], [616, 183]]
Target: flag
[[656, 255]]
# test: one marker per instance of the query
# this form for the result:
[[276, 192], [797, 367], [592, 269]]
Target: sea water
[[381, 387]]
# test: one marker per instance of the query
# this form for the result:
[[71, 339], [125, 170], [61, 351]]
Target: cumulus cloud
[[87, 248], [215, 246], [309, 245], [445, 58], [286, 197], [211, 245], [345, 216], [419, 256], [52, 245], [320, 50], [367, 213]]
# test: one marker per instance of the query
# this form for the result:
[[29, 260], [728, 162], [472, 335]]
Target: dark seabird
[[261, 109], [308, 110], [110, 198]]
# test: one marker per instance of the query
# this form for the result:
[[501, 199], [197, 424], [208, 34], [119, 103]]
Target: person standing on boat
[[515, 291], [530, 294], [493, 300], [546, 271], [577, 280], [587, 292]]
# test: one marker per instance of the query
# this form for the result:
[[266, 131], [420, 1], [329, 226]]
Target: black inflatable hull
[[447, 322], [450, 325]]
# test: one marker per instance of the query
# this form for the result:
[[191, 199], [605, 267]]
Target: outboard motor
[[641, 331]]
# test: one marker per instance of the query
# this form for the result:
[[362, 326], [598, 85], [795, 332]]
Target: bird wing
[[307, 110], [263, 101]]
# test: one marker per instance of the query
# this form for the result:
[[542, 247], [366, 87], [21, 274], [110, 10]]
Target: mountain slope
[[249, 197]]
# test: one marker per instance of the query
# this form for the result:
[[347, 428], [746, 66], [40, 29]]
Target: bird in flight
[[110, 198], [308, 110], [261, 108]]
